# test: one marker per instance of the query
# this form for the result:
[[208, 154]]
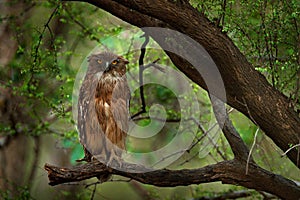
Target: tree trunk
[[13, 151]]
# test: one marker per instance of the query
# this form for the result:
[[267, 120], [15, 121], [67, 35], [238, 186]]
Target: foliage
[[267, 32], [50, 48], [23, 193]]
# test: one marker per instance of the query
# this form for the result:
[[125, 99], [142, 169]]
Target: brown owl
[[103, 108]]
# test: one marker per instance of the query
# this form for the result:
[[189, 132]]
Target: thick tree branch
[[229, 172], [263, 103]]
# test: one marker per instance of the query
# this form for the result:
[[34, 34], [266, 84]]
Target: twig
[[37, 141], [144, 194], [189, 159], [267, 41], [294, 146], [153, 64], [248, 111], [203, 132], [84, 28], [90, 184], [156, 118], [130, 47], [141, 78], [220, 21], [186, 149], [94, 191], [36, 50], [251, 150], [142, 67], [46, 26], [238, 147]]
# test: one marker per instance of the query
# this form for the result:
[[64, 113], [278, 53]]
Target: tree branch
[[236, 143], [141, 78], [229, 172]]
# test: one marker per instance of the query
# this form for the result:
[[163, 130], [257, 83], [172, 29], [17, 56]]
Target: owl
[[103, 108]]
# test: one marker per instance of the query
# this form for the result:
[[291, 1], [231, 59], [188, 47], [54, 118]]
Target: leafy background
[[50, 40]]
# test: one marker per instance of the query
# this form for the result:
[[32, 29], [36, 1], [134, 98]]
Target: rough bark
[[229, 172], [246, 89]]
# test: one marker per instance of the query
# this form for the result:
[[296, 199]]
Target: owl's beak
[[125, 61], [106, 67]]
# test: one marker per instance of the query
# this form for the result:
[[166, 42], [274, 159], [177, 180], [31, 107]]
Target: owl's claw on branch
[[82, 159], [87, 156], [114, 161]]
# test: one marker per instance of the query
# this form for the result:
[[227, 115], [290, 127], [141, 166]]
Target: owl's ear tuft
[[125, 61]]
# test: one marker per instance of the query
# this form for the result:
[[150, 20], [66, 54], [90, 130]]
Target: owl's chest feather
[[111, 87]]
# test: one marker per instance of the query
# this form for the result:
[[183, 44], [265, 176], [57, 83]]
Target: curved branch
[[238, 147], [229, 172]]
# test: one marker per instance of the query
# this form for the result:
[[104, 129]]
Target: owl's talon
[[99, 158], [115, 162]]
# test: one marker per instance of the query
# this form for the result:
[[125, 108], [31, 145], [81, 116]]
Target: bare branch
[[236, 143], [46, 26], [229, 172], [141, 78], [294, 146], [144, 194], [251, 150], [142, 67]]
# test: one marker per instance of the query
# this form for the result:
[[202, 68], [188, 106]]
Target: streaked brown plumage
[[103, 108]]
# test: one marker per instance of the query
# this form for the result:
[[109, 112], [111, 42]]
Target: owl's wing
[[120, 109], [120, 114], [121, 117], [90, 132]]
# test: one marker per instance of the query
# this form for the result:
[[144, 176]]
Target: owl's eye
[[99, 61], [115, 62]]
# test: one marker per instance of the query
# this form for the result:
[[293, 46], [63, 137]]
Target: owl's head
[[106, 61]]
